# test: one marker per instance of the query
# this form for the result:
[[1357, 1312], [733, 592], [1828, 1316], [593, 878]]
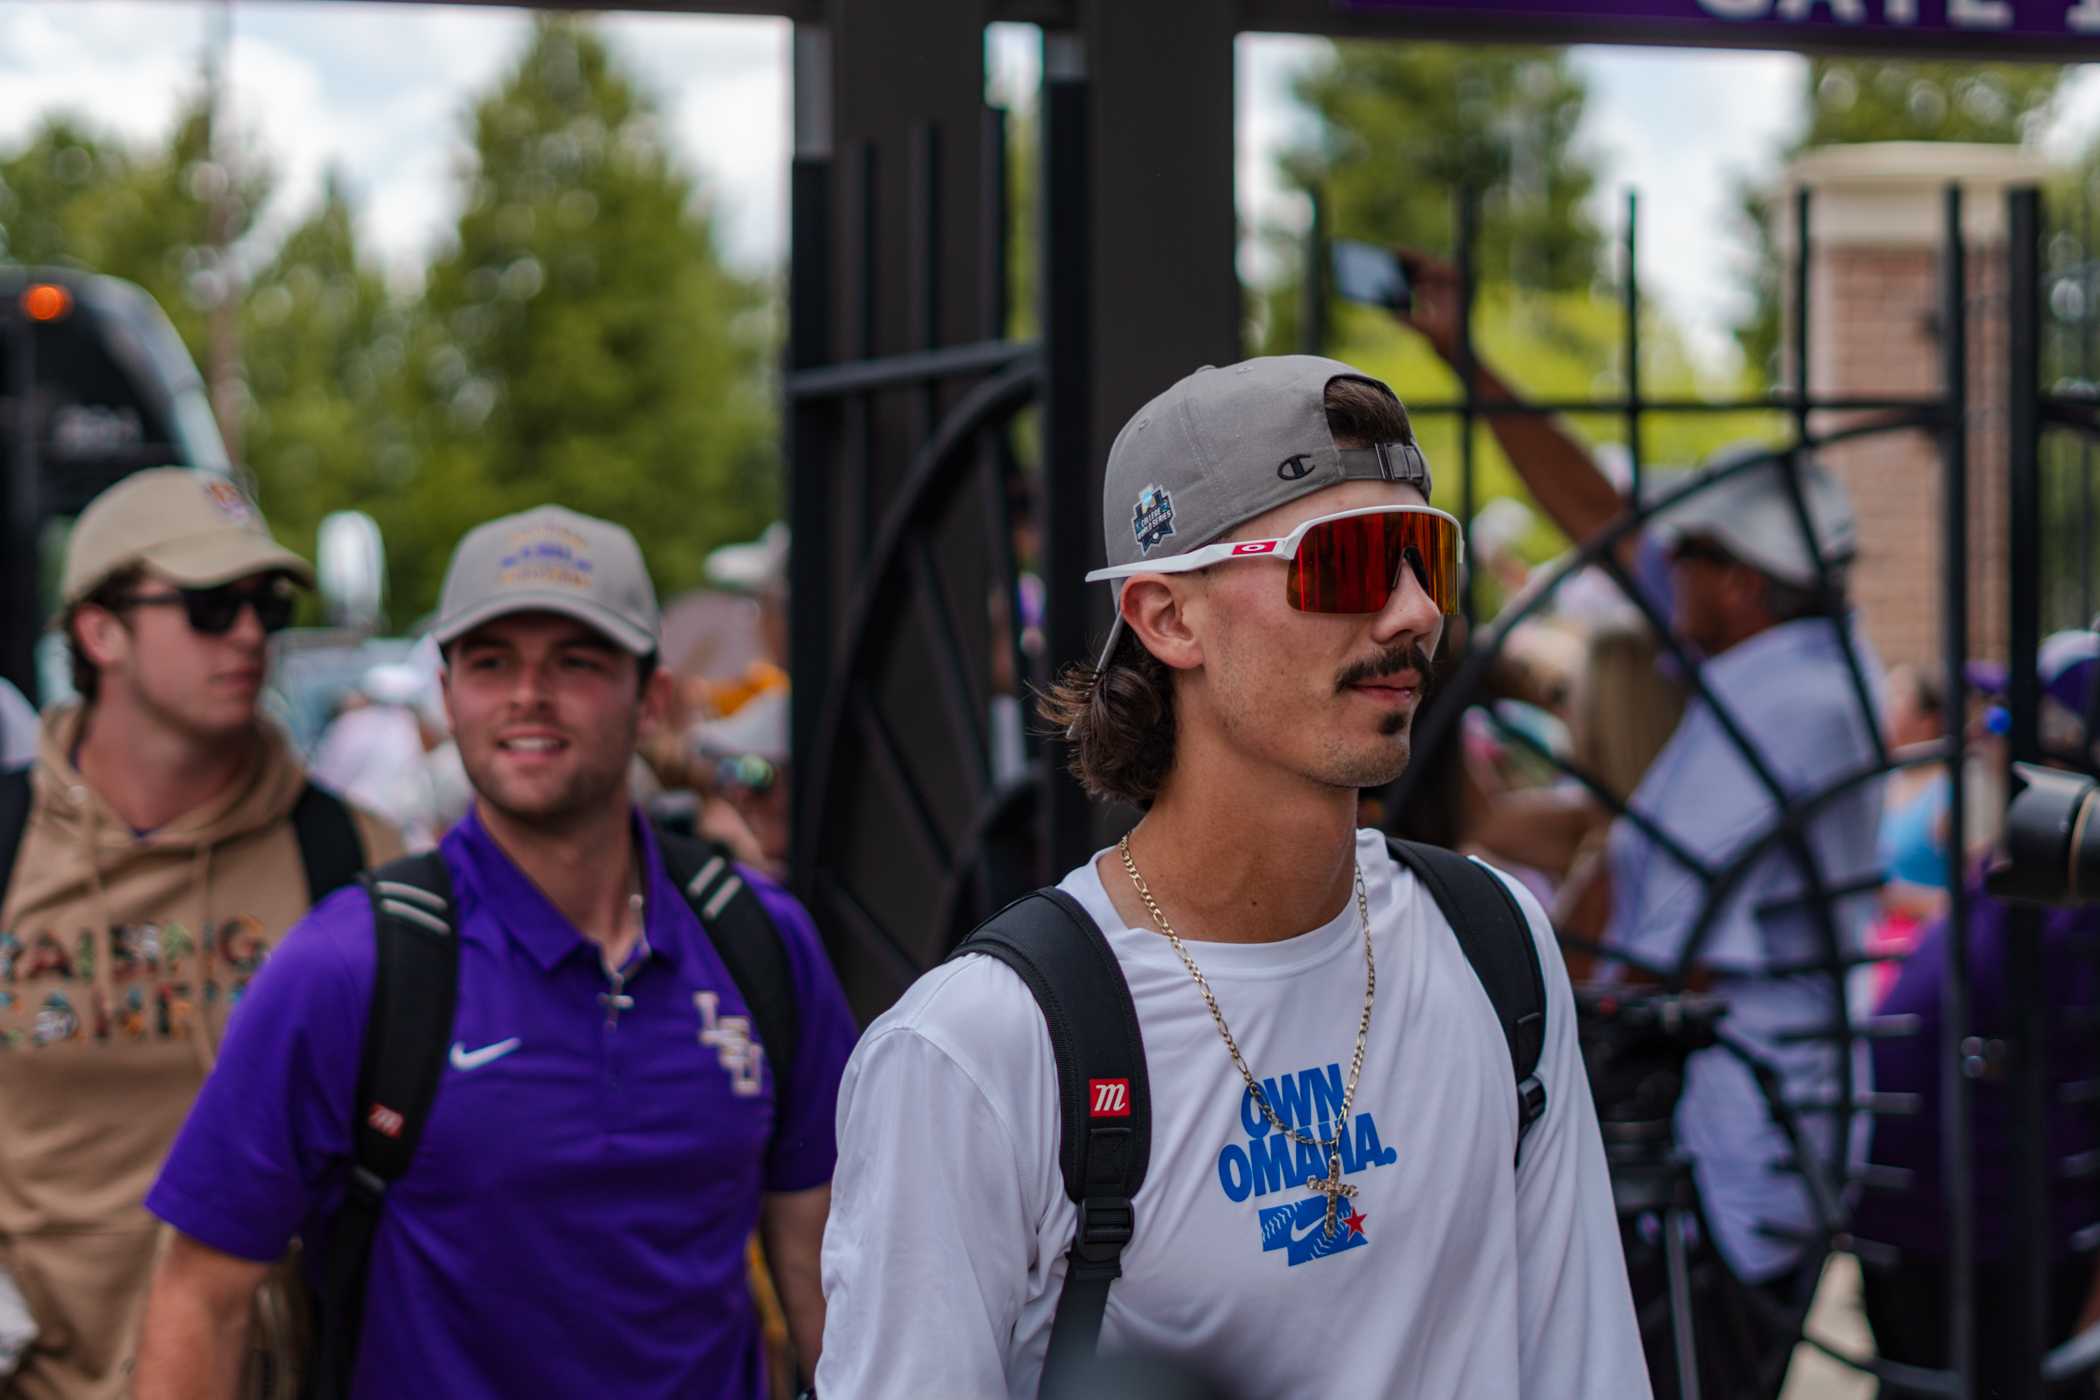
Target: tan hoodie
[[120, 956]]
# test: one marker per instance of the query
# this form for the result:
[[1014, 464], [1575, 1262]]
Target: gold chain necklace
[[1333, 1187]]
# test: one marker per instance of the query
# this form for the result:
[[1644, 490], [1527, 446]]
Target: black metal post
[[812, 431], [20, 618], [2027, 1318], [866, 431], [1956, 1149], [1630, 287], [1801, 204], [926, 243], [1071, 510], [2086, 371], [1468, 236], [1312, 316], [995, 292]]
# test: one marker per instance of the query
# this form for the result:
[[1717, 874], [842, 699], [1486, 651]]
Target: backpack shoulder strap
[[1104, 1100], [329, 846], [1496, 937], [743, 933], [408, 1025], [15, 797]]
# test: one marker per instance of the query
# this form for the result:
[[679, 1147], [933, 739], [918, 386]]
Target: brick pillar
[[1876, 226]]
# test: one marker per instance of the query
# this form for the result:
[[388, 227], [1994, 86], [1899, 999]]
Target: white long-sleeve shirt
[[1455, 1274]]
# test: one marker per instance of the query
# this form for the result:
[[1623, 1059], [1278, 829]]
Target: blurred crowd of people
[[1685, 748], [1668, 742]]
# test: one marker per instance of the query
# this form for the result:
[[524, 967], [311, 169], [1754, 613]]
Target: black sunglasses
[[1699, 549], [214, 611]]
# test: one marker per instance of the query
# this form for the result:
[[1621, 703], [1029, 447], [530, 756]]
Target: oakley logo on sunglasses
[[1256, 547], [1295, 468]]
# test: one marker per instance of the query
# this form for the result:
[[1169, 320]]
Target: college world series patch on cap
[[1153, 519]]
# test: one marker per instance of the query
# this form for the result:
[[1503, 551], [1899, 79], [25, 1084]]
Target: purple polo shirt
[[1914, 1219], [575, 1219]]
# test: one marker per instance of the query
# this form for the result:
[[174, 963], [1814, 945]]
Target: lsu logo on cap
[[546, 556], [1108, 1098], [226, 498], [1153, 520]]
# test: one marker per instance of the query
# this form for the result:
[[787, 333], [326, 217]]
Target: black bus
[[94, 385]]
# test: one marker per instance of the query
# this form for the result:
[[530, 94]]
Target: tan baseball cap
[[550, 559], [194, 528]]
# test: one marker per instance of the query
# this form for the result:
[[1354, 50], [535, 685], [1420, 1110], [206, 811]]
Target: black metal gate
[[2020, 1060], [924, 798]]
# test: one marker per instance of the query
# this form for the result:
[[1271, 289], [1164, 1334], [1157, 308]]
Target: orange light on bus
[[46, 301]]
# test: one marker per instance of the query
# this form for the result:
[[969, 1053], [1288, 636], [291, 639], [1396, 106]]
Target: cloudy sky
[[378, 91]]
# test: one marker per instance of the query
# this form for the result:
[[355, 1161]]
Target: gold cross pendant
[[1333, 1188]]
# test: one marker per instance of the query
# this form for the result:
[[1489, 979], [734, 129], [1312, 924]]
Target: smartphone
[[1368, 273]]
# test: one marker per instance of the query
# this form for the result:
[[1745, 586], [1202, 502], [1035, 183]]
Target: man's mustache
[[1394, 660]]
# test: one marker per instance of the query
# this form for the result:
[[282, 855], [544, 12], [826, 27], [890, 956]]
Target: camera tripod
[[1654, 1179]]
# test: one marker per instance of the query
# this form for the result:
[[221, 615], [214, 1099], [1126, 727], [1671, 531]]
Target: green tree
[[325, 345], [75, 197], [1556, 345], [1845, 101], [1851, 100], [583, 342], [1402, 128]]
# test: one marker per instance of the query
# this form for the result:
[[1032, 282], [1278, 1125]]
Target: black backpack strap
[[329, 846], [744, 936], [1104, 1101], [15, 797], [408, 1027], [1496, 938]]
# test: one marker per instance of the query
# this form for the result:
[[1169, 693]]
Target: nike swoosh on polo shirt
[[465, 1059]]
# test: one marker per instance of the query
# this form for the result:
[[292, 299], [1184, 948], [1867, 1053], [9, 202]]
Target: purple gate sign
[[1975, 28]]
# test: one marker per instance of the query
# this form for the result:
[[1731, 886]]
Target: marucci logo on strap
[[1108, 1098]]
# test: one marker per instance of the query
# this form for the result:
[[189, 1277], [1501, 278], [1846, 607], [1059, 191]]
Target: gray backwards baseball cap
[[550, 559], [1227, 444]]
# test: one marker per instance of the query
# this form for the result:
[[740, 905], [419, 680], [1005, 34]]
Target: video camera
[[2052, 839], [1635, 1042]]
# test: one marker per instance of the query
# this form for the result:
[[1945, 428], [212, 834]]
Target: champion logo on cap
[[1153, 520], [227, 499]]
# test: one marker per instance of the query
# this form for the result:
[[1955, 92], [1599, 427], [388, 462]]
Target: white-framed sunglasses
[[1348, 562]]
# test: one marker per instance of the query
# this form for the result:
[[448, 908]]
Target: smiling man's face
[[546, 711]]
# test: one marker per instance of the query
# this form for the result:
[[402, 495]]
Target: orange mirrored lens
[[1353, 564]]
